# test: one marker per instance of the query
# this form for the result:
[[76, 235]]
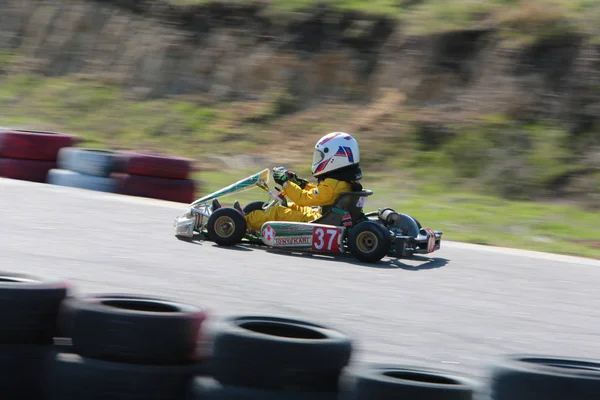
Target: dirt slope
[[503, 93]]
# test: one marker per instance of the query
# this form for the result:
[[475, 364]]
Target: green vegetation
[[521, 20], [423, 170]]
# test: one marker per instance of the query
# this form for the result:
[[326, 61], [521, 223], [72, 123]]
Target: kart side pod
[[303, 236]]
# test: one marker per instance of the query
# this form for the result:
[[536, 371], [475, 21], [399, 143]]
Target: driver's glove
[[281, 175], [297, 180]]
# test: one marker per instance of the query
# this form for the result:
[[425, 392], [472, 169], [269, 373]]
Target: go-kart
[[343, 227]]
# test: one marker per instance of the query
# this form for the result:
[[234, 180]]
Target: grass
[[108, 118]]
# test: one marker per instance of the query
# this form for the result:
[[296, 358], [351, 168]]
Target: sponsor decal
[[292, 240], [347, 220], [268, 233], [316, 191], [361, 201]]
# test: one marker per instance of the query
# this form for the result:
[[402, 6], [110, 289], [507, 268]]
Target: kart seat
[[347, 202]]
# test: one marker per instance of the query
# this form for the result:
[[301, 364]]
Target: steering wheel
[[275, 200]]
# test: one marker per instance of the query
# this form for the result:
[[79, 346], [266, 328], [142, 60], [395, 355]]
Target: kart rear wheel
[[226, 226], [369, 241]]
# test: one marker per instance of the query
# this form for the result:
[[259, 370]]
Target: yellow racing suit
[[302, 200]]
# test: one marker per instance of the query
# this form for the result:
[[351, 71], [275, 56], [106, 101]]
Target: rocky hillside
[[517, 112]]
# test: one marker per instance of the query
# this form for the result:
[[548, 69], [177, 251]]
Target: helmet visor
[[318, 156]]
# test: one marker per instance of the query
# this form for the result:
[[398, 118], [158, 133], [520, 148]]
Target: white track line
[[522, 253], [89, 194]]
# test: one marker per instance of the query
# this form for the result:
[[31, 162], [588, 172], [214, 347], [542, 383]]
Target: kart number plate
[[326, 239]]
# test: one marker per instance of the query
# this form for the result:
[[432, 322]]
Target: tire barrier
[[127, 329], [25, 170], [50, 157], [155, 165], [536, 377], [156, 176], [63, 177], [29, 155], [390, 382], [126, 346], [86, 161], [85, 168], [178, 190], [29, 308], [55, 345], [264, 356], [125, 172]]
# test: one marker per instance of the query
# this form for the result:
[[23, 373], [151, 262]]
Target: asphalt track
[[457, 310]]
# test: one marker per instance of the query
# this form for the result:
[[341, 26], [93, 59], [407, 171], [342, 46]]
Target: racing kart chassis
[[343, 229]]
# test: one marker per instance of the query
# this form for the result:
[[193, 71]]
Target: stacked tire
[[125, 172], [156, 176], [390, 382], [86, 169], [272, 358], [29, 307], [543, 377], [29, 155], [126, 346]]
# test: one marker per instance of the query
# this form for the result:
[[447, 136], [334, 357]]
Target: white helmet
[[334, 151]]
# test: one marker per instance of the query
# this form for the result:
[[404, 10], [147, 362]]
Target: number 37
[[326, 239]]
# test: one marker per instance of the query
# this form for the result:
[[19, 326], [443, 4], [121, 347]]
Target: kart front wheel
[[226, 226], [369, 241]]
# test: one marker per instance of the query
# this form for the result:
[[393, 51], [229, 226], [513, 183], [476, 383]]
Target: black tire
[[226, 226], [254, 206], [368, 241], [207, 388], [65, 315], [29, 306], [96, 162], [278, 354], [535, 377], [133, 329], [70, 376], [22, 370], [391, 382]]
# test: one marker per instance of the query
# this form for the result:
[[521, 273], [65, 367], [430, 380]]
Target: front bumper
[[427, 241], [184, 225]]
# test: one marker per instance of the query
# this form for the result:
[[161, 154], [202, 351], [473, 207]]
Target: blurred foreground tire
[[22, 370], [33, 145], [177, 190], [155, 165], [133, 329], [278, 354], [391, 382], [85, 161], [206, 388], [63, 177], [25, 170], [29, 307], [72, 377], [536, 377]]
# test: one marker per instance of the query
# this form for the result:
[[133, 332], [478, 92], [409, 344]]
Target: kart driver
[[335, 164]]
